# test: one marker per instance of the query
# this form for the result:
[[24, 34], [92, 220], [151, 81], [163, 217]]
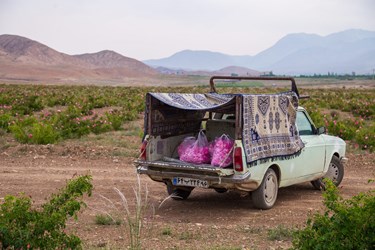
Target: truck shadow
[[204, 204]]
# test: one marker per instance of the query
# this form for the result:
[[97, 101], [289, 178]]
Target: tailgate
[[177, 166]]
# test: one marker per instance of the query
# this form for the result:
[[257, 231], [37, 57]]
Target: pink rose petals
[[222, 155], [199, 151]]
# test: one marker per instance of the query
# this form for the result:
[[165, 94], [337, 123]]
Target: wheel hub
[[270, 189], [332, 173]]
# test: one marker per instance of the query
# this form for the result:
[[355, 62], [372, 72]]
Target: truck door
[[313, 155]]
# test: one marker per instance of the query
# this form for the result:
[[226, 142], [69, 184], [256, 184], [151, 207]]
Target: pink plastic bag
[[197, 152], [222, 155], [211, 146], [187, 142]]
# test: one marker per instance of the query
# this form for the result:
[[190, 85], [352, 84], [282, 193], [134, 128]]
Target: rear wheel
[[178, 193], [335, 173], [265, 196]]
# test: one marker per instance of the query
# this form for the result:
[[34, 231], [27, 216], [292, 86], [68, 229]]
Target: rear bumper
[[162, 172]]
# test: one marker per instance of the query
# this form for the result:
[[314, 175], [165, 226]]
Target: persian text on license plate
[[182, 181]]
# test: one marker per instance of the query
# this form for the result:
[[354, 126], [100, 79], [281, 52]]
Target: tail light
[[143, 155], [238, 164]]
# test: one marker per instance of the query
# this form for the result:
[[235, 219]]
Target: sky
[[152, 29]]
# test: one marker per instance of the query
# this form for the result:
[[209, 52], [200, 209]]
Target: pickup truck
[[276, 144]]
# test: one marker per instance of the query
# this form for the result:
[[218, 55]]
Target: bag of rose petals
[[186, 143], [222, 155], [197, 152]]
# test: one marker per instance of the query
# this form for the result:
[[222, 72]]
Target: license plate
[[182, 181]]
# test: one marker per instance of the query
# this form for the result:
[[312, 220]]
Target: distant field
[[203, 81], [173, 80], [239, 84], [40, 114]]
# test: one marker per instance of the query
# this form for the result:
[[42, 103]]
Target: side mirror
[[321, 130]]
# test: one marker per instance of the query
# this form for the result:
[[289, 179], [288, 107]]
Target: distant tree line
[[340, 76]]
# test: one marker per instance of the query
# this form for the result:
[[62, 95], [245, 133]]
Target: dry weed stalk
[[135, 220]]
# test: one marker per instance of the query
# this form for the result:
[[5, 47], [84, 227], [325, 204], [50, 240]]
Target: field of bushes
[[40, 114], [36, 114]]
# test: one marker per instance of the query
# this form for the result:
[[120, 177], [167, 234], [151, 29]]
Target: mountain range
[[23, 59], [343, 53]]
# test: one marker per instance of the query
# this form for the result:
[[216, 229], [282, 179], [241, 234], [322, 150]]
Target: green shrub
[[100, 126], [115, 118], [69, 124], [5, 119], [24, 227], [101, 219], [345, 224], [35, 133], [280, 233], [317, 117], [19, 133], [366, 138], [21, 128], [43, 134], [27, 104], [343, 129], [167, 231]]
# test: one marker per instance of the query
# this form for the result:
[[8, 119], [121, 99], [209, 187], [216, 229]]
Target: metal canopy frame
[[291, 79]]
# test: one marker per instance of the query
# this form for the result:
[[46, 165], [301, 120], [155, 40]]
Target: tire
[[178, 193], [221, 190], [266, 194], [335, 173]]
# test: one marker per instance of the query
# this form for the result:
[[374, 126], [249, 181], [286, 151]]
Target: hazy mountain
[[198, 60], [240, 71], [357, 56], [227, 71], [342, 52], [301, 53], [285, 46], [24, 59]]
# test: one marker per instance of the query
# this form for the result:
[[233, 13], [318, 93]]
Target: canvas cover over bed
[[268, 121]]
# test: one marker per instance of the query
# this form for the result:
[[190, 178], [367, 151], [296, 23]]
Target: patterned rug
[[193, 101], [189, 108], [269, 129]]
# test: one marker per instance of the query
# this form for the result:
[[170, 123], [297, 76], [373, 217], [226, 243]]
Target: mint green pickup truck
[[276, 144]]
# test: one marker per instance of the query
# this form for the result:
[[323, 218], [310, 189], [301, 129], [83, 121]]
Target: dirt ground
[[207, 220]]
